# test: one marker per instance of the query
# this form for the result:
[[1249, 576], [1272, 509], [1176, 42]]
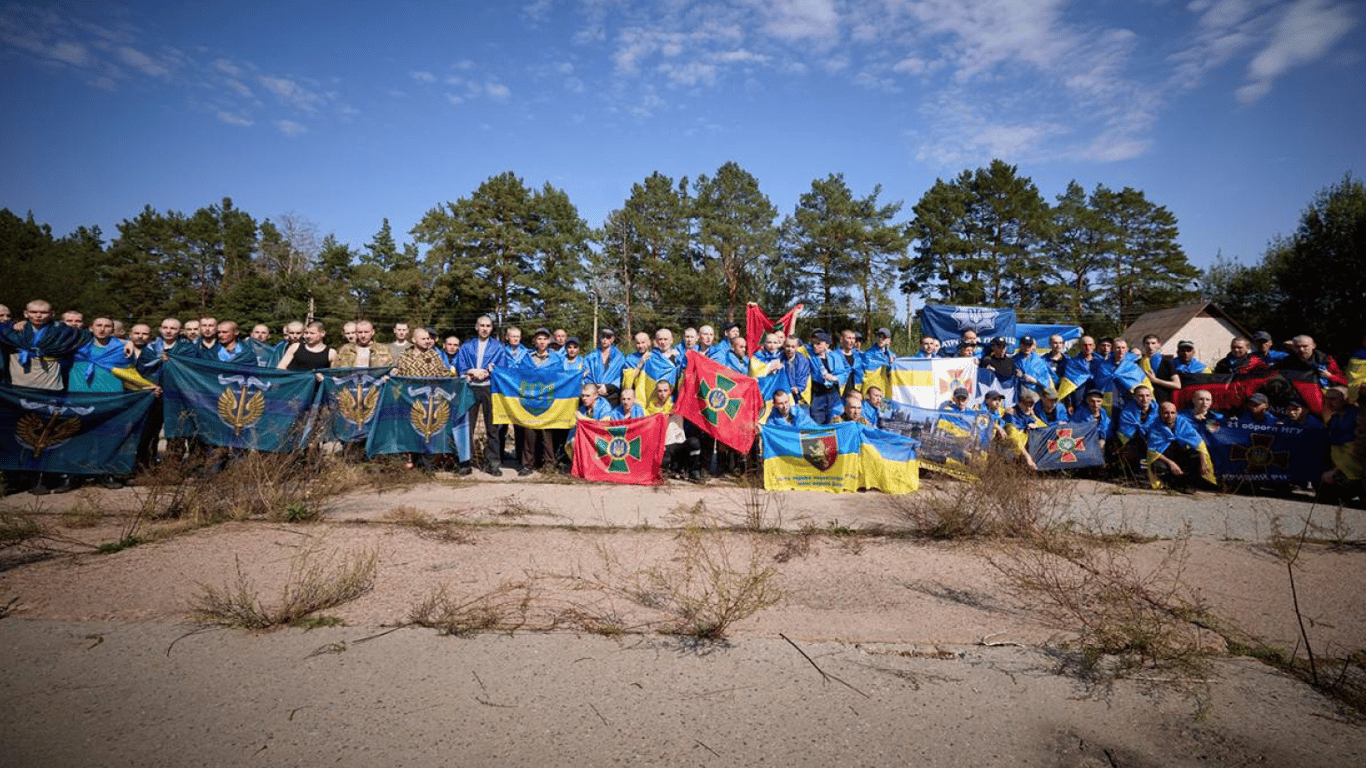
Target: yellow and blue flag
[[929, 382], [1076, 374], [538, 398], [822, 459], [888, 462]]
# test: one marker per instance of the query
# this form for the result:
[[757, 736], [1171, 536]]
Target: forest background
[[682, 252]]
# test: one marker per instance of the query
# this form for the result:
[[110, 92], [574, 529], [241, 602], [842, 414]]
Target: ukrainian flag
[[1356, 374], [538, 398], [888, 462], [1074, 376], [655, 369], [823, 459]]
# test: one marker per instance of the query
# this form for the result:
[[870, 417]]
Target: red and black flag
[[720, 401], [1230, 390]]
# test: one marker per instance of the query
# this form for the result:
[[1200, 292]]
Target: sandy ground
[[932, 660]]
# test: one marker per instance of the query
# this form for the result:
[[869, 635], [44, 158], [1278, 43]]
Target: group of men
[[827, 378]]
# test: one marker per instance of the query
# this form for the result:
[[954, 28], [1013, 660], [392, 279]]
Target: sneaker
[[464, 469], [523, 471], [496, 471], [111, 482]]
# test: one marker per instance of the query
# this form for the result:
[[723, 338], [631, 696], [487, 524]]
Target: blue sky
[[1232, 113]]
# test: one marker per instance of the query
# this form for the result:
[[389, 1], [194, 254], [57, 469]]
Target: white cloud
[[240, 88], [227, 67], [292, 92], [497, 90], [143, 63], [74, 54], [234, 119], [1306, 32], [800, 20], [423, 76], [455, 99], [291, 128]]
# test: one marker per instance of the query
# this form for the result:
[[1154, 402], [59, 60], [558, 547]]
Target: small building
[[1203, 323]]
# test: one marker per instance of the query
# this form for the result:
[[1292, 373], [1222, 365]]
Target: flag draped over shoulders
[[624, 451], [235, 406], [538, 398], [723, 403], [420, 415], [86, 433]]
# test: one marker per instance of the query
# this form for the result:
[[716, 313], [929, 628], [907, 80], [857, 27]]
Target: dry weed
[[315, 582], [428, 527], [1007, 500]]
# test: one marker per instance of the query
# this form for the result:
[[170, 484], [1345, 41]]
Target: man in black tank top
[[311, 353]]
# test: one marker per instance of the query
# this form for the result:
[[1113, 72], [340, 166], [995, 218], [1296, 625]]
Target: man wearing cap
[[829, 373], [605, 365], [1160, 368], [1049, 409], [1185, 358], [474, 362], [997, 361], [1262, 344], [1257, 410], [1034, 372], [967, 346], [877, 361], [958, 400], [572, 360]]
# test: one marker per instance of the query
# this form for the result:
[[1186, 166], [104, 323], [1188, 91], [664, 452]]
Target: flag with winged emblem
[[353, 395], [539, 398], [625, 451], [721, 402], [235, 406], [420, 415], [948, 323], [84, 433], [821, 459], [1066, 445]]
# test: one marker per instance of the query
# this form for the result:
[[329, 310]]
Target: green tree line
[[677, 252]]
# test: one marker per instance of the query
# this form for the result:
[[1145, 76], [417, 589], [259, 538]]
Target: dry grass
[[428, 527], [315, 582], [1008, 500]]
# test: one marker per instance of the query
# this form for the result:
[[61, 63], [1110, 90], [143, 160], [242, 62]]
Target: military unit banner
[[1066, 446], [929, 382], [84, 433], [420, 416], [838, 458], [263, 409], [1266, 453], [949, 323], [538, 398], [720, 401], [352, 395], [626, 451]]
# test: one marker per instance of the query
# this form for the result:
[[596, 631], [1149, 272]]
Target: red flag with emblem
[[625, 451], [720, 401]]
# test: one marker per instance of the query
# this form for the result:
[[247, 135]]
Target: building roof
[[1166, 324]]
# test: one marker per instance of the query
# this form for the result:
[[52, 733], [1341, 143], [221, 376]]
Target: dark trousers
[[537, 451], [825, 403], [494, 434], [151, 435]]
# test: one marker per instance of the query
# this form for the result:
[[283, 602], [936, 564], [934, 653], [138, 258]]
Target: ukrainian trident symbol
[[716, 399], [36, 432], [616, 449], [430, 414], [244, 407]]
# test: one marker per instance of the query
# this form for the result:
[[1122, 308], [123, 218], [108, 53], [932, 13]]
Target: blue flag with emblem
[[947, 323], [1266, 453], [538, 398], [352, 396], [1066, 445], [233, 406], [83, 433], [420, 415]]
